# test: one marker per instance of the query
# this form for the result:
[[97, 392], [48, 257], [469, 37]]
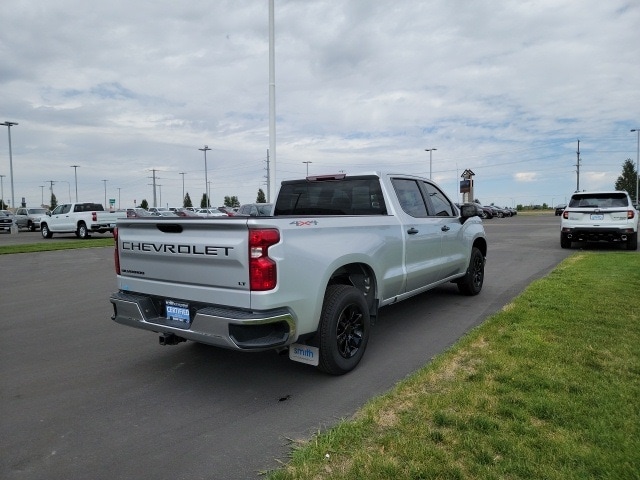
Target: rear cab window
[[332, 195]]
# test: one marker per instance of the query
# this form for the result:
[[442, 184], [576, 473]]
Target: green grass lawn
[[46, 246], [549, 388]]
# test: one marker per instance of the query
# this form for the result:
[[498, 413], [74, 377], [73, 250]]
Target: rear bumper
[[586, 234], [213, 325], [96, 227]]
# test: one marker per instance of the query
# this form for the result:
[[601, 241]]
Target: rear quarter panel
[[313, 248]]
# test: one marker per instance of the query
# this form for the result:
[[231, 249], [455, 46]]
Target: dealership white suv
[[600, 217]]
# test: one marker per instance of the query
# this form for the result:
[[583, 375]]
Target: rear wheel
[[344, 329], [471, 283], [82, 232], [564, 241], [632, 242]]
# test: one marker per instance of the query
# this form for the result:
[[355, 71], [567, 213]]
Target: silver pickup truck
[[310, 278]]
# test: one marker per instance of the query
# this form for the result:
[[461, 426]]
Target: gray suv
[[29, 218]]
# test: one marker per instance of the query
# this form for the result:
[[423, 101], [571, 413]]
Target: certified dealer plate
[[177, 311], [598, 216]]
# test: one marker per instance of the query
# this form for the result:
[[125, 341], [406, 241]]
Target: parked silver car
[[6, 220], [255, 210], [29, 218]]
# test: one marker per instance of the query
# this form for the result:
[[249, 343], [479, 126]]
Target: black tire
[[31, 227], [632, 242], [44, 230], [471, 283], [564, 241], [344, 329], [82, 232]]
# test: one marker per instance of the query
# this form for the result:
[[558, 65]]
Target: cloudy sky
[[128, 87]]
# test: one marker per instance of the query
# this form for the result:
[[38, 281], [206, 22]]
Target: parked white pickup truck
[[310, 278], [79, 218]]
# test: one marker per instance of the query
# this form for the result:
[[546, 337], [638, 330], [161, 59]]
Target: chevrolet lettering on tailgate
[[176, 248]]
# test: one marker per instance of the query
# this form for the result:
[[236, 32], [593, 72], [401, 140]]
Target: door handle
[[445, 228], [412, 231]]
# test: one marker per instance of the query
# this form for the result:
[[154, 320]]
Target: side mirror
[[468, 210], [48, 214]]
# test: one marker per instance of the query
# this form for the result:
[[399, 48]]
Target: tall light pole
[[75, 171], [206, 181], [105, 193], [182, 173], [430, 150], [9, 125], [2, 191], [307, 167], [637, 166], [41, 195]]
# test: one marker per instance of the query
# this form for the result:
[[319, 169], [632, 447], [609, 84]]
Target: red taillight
[[565, 214], [631, 214], [94, 216], [262, 269], [116, 256]]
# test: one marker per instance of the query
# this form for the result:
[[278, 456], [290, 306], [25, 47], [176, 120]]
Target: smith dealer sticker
[[304, 354]]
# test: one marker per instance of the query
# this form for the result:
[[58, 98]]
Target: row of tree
[[229, 201]]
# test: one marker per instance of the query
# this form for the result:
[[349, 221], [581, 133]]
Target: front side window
[[441, 205]]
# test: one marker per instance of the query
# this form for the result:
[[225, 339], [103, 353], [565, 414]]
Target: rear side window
[[348, 196], [410, 197]]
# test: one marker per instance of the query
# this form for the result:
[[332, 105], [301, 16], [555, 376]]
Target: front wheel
[[471, 283], [344, 329], [44, 230]]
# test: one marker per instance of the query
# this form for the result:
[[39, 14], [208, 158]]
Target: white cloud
[[526, 177]]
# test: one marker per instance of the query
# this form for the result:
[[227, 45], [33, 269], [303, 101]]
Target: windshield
[[37, 210]]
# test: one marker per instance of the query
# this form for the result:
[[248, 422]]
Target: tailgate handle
[[169, 227]]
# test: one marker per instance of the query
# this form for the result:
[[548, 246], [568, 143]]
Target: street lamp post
[[206, 181], [430, 150], [307, 162], [182, 173], [105, 193], [637, 166], [2, 191], [75, 168], [14, 227]]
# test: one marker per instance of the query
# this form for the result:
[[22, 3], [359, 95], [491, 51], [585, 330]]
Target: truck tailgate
[[205, 260]]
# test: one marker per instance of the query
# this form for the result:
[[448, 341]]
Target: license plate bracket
[[177, 311]]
